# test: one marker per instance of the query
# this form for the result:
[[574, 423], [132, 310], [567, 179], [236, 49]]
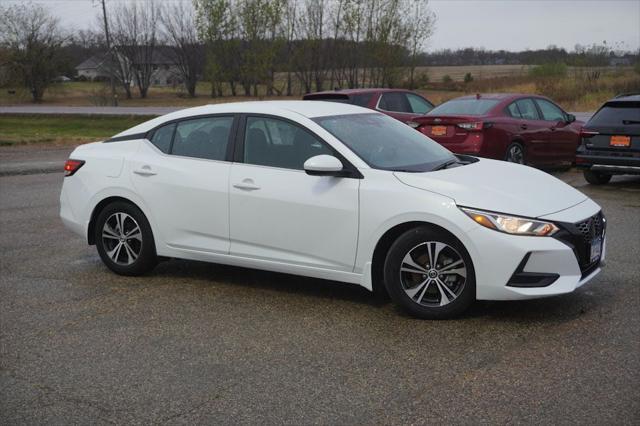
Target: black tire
[[515, 153], [143, 247], [425, 304], [596, 178]]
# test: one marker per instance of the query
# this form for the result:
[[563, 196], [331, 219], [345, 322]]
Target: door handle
[[523, 126], [247, 185], [144, 171]]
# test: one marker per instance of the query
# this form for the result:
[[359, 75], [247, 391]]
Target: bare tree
[[33, 40], [181, 33], [420, 25], [135, 28]]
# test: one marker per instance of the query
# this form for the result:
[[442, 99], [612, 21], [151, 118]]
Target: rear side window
[[513, 110], [362, 99], [162, 137], [550, 112], [465, 107], [527, 109], [617, 114], [203, 138], [395, 102]]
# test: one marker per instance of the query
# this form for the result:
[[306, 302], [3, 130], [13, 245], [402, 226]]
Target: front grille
[[579, 236]]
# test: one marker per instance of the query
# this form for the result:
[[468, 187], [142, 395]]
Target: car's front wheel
[[124, 239], [429, 273], [596, 178]]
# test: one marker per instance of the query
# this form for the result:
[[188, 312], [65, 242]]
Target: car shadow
[[551, 310], [265, 280]]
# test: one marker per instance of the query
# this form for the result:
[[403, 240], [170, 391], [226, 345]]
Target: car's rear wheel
[[429, 273], [124, 239], [596, 178], [515, 153]]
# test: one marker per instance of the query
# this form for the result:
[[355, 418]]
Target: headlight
[[512, 224]]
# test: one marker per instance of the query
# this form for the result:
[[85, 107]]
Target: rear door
[[562, 137], [617, 128], [182, 175], [533, 130]]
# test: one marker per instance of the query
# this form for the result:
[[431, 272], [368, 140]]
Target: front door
[[563, 139], [278, 212]]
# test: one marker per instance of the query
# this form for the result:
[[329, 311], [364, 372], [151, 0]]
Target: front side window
[[465, 107], [418, 104], [394, 102], [386, 143], [527, 109], [550, 112], [278, 143], [203, 138]]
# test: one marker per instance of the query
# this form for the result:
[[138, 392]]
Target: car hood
[[498, 186]]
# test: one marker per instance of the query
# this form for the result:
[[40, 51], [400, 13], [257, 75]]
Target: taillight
[[587, 133], [72, 166], [471, 126]]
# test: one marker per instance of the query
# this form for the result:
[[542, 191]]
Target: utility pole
[[114, 97]]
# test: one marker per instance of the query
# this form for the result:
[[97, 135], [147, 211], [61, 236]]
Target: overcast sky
[[492, 24]]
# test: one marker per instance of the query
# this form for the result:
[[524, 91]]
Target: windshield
[[386, 143], [464, 107]]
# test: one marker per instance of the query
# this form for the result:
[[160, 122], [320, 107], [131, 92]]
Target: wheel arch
[[384, 244], [99, 207]]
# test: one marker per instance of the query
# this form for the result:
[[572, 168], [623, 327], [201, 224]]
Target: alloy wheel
[[433, 274], [122, 238], [515, 154]]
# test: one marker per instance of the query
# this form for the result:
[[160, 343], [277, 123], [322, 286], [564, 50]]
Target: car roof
[[499, 96], [626, 97], [304, 108], [357, 91]]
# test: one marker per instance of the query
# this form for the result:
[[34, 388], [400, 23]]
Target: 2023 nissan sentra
[[522, 129], [332, 191]]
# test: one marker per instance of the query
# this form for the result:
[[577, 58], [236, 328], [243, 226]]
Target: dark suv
[[611, 140]]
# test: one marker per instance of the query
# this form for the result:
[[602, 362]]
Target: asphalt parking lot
[[201, 343]]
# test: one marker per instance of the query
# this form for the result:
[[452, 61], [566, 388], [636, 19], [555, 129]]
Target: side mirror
[[324, 165], [571, 118]]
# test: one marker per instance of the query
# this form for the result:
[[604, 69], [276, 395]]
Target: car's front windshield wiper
[[630, 121], [445, 165]]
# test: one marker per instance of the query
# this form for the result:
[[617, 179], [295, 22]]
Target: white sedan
[[331, 191]]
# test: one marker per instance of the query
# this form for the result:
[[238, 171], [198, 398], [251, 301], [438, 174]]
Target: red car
[[523, 129], [403, 105]]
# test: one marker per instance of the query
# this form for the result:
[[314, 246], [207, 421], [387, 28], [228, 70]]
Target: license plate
[[620, 141], [439, 130], [596, 249]]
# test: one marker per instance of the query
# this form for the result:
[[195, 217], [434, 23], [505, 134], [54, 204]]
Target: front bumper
[[550, 266]]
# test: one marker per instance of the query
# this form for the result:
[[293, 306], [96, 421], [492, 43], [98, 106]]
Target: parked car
[[611, 140], [331, 191], [403, 105], [522, 129]]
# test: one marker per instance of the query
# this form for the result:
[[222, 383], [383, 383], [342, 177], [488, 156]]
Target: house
[[95, 68], [165, 70]]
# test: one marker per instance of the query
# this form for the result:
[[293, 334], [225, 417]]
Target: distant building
[[165, 70], [619, 61]]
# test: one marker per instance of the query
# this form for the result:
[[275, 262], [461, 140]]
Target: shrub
[[468, 78], [555, 69], [447, 79]]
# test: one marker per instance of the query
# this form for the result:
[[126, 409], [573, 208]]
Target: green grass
[[62, 129]]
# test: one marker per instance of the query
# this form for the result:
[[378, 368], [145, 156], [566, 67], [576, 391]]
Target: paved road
[[200, 343], [46, 109]]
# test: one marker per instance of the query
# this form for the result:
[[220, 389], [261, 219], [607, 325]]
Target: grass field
[[62, 129]]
